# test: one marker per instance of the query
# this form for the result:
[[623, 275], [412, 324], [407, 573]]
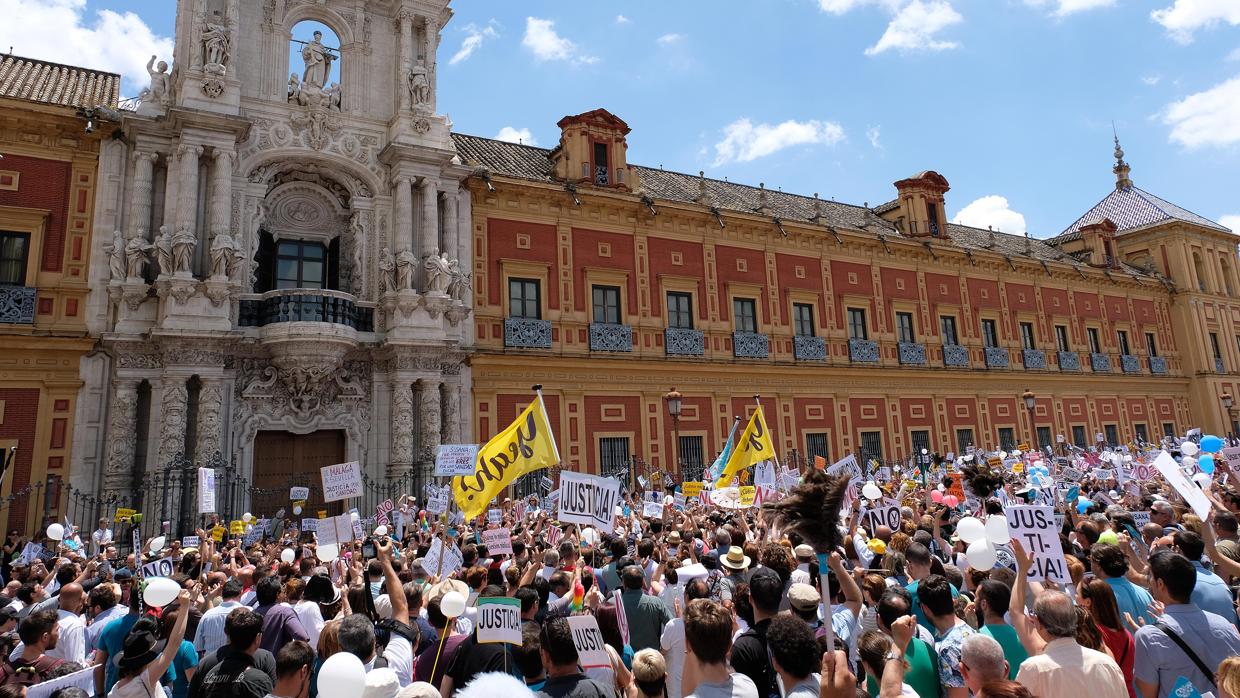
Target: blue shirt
[[112, 641], [1159, 660], [1132, 599], [922, 620], [187, 658], [1211, 593]]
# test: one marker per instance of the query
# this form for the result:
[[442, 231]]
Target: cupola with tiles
[[592, 151]]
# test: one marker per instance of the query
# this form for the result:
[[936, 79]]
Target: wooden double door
[[283, 460]]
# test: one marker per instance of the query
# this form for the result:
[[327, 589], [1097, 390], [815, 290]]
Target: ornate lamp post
[[1031, 401], [674, 400], [1228, 402]]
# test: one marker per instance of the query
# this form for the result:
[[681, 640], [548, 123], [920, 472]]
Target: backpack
[[22, 673]]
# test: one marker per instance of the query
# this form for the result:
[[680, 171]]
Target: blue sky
[[1006, 98]]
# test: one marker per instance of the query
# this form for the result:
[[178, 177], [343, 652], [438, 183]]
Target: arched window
[[314, 65]]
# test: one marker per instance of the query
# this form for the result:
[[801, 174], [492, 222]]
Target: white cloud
[[547, 45], [993, 211], [872, 134], [1234, 55], [621, 19], [474, 36], [744, 141], [1063, 8], [1185, 17], [1232, 222], [61, 31], [914, 26], [839, 7], [1151, 80], [669, 39], [1206, 118], [516, 135]]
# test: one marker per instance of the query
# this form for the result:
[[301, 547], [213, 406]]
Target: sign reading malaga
[[588, 500]]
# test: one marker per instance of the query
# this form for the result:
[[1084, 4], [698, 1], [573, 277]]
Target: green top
[[1013, 651], [922, 674]]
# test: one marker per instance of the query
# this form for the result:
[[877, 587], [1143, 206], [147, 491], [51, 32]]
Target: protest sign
[[123, 514], [764, 473], [1187, 489], [455, 459], [746, 496], [191, 542], [1071, 474], [692, 489], [587, 499], [1140, 518], [591, 649], [442, 560], [299, 494], [355, 518], [1231, 456], [553, 535], [437, 502], [381, 511], [1142, 471], [236, 527], [494, 516], [1104, 474], [162, 567], [218, 533], [622, 618], [31, 552], [335, 530], [84, 679], [545, 483], [311, 525], [1034, 527], [652, 510], [341, 481], [254, 535], [552, 502], [848, 464], [887, 513], [206, 490], [678, 501], [498, 541], [498, 620]]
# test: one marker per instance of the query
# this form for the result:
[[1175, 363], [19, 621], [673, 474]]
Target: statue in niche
[[218, 45], [419, 86], [116, 256], [318, 62], [387, 270], [163, 251], [459, 284], [405, 262], [223, 249], [136, 252], [238, 258], [438, 272], [294, 89], [183, 244], [160, 90]]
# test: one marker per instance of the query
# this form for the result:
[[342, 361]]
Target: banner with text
[[341, 481], [588, 500], [1035, 528]]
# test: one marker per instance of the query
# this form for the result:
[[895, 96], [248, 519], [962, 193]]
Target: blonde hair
[[1228, 678], [649, 667]]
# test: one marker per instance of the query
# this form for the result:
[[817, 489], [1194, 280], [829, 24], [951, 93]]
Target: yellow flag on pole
[[525, 446], [754, 446]]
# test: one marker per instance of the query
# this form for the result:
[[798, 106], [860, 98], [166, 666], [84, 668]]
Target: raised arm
[[396, 592], [1016, 608]]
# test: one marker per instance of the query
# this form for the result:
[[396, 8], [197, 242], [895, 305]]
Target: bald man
[[72, 644]]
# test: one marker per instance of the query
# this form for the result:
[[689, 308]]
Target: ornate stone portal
[[307, 269]]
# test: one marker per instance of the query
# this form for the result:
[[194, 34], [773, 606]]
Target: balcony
[[1158, 365], [17, 305], [680, 341], [1101, 363], [750, 345], [809, 348], [1035, 359], [1218, 365], [608, 337], [1129, 363], [1069, 361], [527, 333], [996, 357], [863, 351], [955, 355], [306, 305], [912, 354]]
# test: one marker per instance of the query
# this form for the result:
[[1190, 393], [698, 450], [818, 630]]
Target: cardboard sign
[[442, 560], [381, 511], [591, 649], [678, 501], [652, 510], [299, 494], [236, 527], [1071, 474], [848, 464], [124, 514], [309, 525], [1231, 456], [191, 542], [764, 473], [553, 535], [84, 679], [31, 552], [494, 516], [1104, 475], [162, 567], [498, 541], [218, 533], [746, 496], [885, 514], [552, 502], [588, 500], [206, 490], [546, 483], [498, 620], [1141, 518], [1035, 528], [341, 481], [1187, 488], [452, 460], [692, 489], [334, 530], [437, 502]]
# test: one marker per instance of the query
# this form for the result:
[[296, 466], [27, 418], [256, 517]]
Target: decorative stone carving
[[402, 424], [136, 254], [264, 401], [159, 92], [173, 409], [451, 413], [419, 88], [405, 263], [430, 409], [318, 62], [163, 252], [139, 360], [438, 273], [459, 282], [387, 270], [117, 265], [122, 437], [217, 47], [223, 251], [183, 244], [315, 124], [422, 126]]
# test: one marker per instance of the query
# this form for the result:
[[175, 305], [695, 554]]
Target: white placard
[[498, 620], [1231, 456], [885, 514], [1034, 527], [162, 567], [1141, 518], [498, 541], [622, 618], [206, 490], [191, 542], [341, 481], [591, 649], [494, 516], [552, 502], [847, 464], [381, 511], [299, 494], [334, 530], [678, 501], [764, 473], [652, 510], [455, 459], [84, 679], [438, 500], [450, 558], [587, 499], [1187, 489], [311, 525]]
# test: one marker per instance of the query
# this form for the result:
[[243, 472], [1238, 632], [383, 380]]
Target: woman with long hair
[[329, 644], [1099, 598], [617, 675], [186, 659], [146, 657]]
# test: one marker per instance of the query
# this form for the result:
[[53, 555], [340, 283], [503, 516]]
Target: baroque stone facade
[[266, 308]]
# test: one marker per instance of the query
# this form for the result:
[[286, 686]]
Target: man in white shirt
[[551, 561], [805, 555], [72, 644], [672, 641], [101, 538], [210, 635]]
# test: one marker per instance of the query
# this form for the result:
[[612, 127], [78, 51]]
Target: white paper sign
[[652, 510], [455, 459], [499, 620], [162, 567], [341, 481], [498, 541], [311, 525], [587, 499], [441, 561], [1231, 456], [1141, 518], [84, 679], [206, 490], [1187, 489], [191, 542], [1034, 527], [885, 514], [299, 494], [437, 501], [764, 473], [334, 530], [847, 464], [591, 649], [494, 516]]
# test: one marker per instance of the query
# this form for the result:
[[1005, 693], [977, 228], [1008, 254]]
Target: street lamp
[[674, 399], [1031, 401], [1228, 401]]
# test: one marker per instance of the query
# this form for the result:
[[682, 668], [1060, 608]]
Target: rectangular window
[[607, 304], [904, 328], [856, 324], [1044, 437], [691, 457], [1151, 343], [14, 248], [947, 323], [1112, 434], [1095, 346], [803, 319], [817, 444], [1026, 336], [1007, 438], [990, 333], [602, 170], [1124, 348], [964, 440], [746, 314], [871, 447], [613, 454], [301, 264], [920, 440], [1061, 337], [1168, 429], [1218, 353], [680, 310], [1078, 436], [1143, 435], [523, 299]]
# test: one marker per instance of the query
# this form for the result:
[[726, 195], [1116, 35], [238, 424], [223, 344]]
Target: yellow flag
[[754, 446], [525, 446]]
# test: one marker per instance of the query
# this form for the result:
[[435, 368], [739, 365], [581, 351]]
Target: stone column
[[429, 233], [221, 192], [452, 412], [451, 231], [403, 237], [400, 454], [172, 189], [187, 188], [431, 424], [210, 419], [140, 204], [122, 439], [406, 60]]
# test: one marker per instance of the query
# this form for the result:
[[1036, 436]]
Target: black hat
[[142, 645]]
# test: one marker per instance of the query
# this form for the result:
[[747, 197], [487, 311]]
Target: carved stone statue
[[459, 284], [419, 86], [163, 251], [116, 256], [238, 258], [183, 244], [387, 270], [294, 89], [331, 97], [136, 251], [405, 262], [217, 44], [160, 90], [438, 272], [318, 61], [223, 249]]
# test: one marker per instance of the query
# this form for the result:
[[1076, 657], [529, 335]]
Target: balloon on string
[[296, 509], [56, 532], [160, 591], [327, 553], [247, 517], [1189, 448], [287, 555], [1082, 505], [381, 530], [1211, 444], [951, 501], [997, 529], [1206, 463], [971, 529], [981, 555], [157, 543], [342, 676], [871, 491], [936, 496], [1203, 480], [452, 605]]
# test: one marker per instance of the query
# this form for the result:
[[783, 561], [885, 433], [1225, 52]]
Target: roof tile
[[56, 84]]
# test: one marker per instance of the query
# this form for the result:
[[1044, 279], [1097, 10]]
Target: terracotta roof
[[1132, 208], [56, 84]]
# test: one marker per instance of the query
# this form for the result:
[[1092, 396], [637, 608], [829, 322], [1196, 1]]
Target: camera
[[368, 549]]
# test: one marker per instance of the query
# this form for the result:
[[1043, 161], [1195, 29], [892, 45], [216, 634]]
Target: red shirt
[[1121, 645]]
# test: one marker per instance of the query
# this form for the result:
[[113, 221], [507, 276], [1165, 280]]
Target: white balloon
[[1188, 448], [328, 553], [1204, 480], [296, 510], [287, 555], [971, 529], [160, 591], [157, 543], [381, 530], [247, 517], [56, 532], [342, 676], [982, 555], [249, 527], [997, 529], [1003, 454], [452, 605], [969, 458], [925, 452], [354, 516], [871, 491]]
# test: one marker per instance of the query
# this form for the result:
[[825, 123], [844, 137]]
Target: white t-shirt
[[311, 619], [737, 686], [399, 656], [673, 644]]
